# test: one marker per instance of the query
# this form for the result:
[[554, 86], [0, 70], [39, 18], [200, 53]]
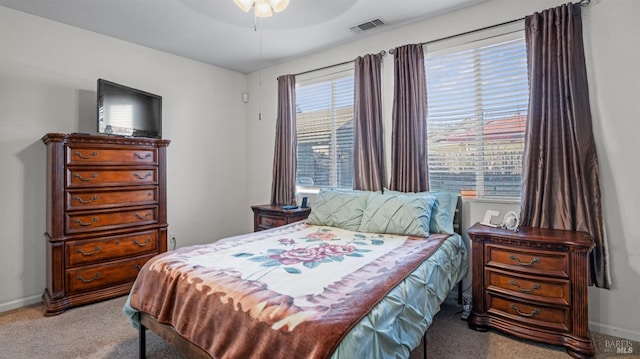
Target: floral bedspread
[[292, 292]]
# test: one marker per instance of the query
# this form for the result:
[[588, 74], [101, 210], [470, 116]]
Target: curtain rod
[[583, 3], [381, 53]]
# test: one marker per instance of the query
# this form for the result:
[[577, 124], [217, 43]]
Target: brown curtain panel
[[409, 121], [368, 148], [283, 185], [560, 187]]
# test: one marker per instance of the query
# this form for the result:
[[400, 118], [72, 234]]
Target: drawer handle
[[95, 276], [523, 290], [94, 251], [269, 222], [535, 311], [143, 216], [79, 176], [532, 262], [138, 176], [146, 243], [93, 220], [85, 157], [137, 266], [85, 201], [141, 157]]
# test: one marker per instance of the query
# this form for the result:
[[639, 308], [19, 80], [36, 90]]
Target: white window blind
[[477, 108], [324, 121]]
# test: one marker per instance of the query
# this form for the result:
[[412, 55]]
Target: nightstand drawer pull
[[269, 222], [141, 157], [523, 290], [79, 221], [95, 276], [86, 254], [533, 312], [137, 266], [532, 262], [92, 154], [78, 176], [85, 201], [146, 243]]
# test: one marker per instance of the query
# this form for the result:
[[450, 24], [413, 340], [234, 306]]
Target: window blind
[[324, 124], [477, 108]]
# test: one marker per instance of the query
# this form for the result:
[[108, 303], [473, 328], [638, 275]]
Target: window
[[324, 120], [477, 99]]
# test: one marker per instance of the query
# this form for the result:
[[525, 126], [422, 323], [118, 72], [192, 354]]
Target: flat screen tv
[[126, 111]]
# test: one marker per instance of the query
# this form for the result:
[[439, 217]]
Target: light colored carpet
[[102, 331]]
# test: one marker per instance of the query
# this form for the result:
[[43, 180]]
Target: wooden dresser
[[532, 284], [267, 216], [106, 215]]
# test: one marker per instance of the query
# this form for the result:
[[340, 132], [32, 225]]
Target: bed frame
[[169, 334]]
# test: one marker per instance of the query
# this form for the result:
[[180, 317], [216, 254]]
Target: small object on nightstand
[[289, 207], [487, 218]]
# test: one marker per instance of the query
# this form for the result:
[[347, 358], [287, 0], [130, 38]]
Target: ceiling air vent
[[368, 25]]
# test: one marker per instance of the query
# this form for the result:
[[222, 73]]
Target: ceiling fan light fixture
[[279, 5], [262, 8]]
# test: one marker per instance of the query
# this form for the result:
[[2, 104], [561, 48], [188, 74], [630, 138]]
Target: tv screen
[[126, 111]]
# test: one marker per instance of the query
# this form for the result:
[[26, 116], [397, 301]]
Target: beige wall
[[612, 54], [48, 74]]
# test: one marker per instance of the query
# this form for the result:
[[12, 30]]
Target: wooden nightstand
[[267, 216], [532, 284]]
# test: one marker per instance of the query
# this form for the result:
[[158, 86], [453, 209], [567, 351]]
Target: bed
[[363, 276]]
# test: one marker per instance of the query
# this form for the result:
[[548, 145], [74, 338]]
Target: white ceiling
[[219, 33]]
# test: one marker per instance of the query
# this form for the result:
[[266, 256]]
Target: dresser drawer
[[547, 290], [78, 154], [82, 177], [528, 260], [266, 222], [530, 313], [97, 221], [83, 252], [100, 276], [89, 199]]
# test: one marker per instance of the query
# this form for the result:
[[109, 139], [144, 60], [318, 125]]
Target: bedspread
[[292, 292]]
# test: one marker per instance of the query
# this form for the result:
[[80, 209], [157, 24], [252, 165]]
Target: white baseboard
[[614, 331], [18, 303]]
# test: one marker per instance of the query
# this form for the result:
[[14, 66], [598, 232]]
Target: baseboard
[[614, 331], [18, 303]]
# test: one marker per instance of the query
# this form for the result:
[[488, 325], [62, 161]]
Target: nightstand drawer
[[270, 222], [548, 317], [551, 291], [528, 260]]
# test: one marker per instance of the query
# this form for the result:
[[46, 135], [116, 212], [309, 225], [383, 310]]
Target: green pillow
[[340, 209], [404, 215], [443, 211]]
